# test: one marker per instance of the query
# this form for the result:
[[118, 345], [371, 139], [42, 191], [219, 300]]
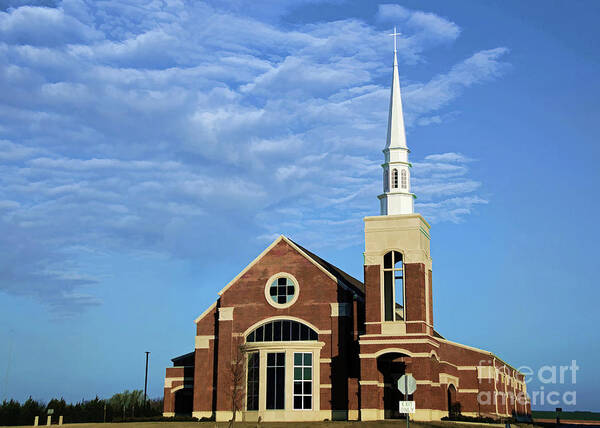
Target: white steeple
[[396, 197]]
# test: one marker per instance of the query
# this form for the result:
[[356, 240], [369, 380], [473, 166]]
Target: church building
[[294, 338]]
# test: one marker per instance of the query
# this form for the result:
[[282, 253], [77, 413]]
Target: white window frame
[[312, 380]]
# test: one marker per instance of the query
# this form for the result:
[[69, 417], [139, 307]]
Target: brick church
[[294, 338]]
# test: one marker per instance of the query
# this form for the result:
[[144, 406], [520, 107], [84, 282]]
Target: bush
[[120, 407], [462, 418]]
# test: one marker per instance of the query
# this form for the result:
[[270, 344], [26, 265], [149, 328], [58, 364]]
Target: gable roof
[[342, 278], [340, 275]]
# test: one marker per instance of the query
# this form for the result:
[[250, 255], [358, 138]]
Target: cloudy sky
[[150, 149]]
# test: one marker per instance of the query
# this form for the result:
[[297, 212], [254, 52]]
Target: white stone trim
[[296, 290], [486, 372], [398, 341], [206, 312], [298, 345], [340, 309], [386, 351], [252, 263], [289, 348], [371, 382], [169, 380], [482, 351], [427, 382], [226, 314], [295, 247], [203, 342], [202, 414], [283, 317], [184, 386], [448, 379]]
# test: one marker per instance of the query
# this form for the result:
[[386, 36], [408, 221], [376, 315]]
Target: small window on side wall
[[395, 178], [403, 180]]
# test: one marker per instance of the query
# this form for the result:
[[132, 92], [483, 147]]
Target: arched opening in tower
[[392, 366]]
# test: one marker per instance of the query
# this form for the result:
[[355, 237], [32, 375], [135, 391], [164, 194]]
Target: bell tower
[[396, 197], [397, 257]]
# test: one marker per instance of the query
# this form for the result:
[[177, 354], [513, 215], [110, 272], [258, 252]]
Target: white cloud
[[422, 29], [448, 157], [43, 26], [11, 151], [422, 98], [154, 127]]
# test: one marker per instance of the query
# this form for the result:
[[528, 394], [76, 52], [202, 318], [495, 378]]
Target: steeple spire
[[396, 197], [395, 136]]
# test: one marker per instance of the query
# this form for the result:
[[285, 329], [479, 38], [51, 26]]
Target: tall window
[[276, 381], [253, 381], [302, 380], [386, 179], [393, 286], [403, 179], [394, 178]]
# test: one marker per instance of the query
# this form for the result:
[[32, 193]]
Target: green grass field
[[377, 424], [571, 416]]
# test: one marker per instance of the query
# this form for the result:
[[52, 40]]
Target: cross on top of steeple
[[394, 34]]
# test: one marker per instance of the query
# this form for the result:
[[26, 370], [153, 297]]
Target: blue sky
[[150, 149]]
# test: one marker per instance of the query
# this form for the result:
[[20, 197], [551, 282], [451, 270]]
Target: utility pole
[[146, 378]]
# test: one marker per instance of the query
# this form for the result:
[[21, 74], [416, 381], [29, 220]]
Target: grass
[[342, 424], [567, 416]]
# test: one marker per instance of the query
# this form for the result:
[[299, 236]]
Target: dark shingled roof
[[184, 360], [436, 334], [340, 275]]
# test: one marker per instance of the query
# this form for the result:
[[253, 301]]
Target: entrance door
[[392, 367]]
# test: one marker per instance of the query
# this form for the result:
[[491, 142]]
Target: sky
[[149, 150]]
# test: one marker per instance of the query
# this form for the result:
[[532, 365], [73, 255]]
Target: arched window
[[394, 178], [453, 405], [282, 331], [393, 286], [403, 179]]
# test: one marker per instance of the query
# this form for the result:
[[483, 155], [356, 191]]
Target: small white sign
[[407, 407]]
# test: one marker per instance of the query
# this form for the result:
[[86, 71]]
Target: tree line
[[126, 405]]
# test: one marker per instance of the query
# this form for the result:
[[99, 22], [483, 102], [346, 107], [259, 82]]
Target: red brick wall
[[372, 298], [415, 291], [204, 379], [247, 297]]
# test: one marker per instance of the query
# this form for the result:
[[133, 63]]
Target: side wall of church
[[483, 384]]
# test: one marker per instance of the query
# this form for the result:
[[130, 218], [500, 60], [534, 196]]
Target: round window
[[281, 290]]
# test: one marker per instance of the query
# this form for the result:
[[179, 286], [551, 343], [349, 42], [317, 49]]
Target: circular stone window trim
[[268, 287]]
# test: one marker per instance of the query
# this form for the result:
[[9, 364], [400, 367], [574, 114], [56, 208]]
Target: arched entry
[[392, 366], [453, 405], [184, 399]]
